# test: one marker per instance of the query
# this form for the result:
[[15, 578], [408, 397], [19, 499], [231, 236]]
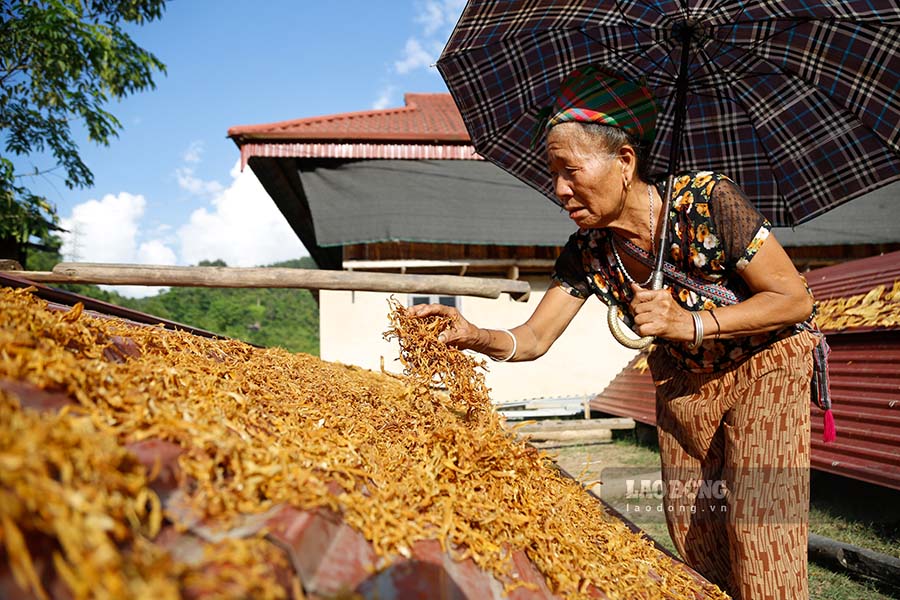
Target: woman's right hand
[[458, 333]]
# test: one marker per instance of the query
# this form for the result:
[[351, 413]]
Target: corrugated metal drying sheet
[[865, 385], [630, 394], [854, 277], [330, 558], [57, 296]]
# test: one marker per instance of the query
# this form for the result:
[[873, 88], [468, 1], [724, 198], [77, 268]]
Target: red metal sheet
[[854, 277], [630, 394], [358, 150], [865, 386]]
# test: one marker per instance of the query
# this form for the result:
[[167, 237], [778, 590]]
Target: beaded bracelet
[[515, 346]]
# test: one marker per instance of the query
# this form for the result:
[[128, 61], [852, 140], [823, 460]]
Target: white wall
[[581, 363]]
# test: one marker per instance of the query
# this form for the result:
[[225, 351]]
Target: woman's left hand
[[656, 313]]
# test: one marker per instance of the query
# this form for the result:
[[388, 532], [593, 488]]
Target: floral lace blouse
[[714, 233]]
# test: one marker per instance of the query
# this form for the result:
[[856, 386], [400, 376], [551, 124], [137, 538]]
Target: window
[[434, 299]]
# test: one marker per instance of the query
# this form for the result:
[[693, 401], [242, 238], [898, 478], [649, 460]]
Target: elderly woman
[[731, 367]]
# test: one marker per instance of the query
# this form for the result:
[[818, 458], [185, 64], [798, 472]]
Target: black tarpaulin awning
[[331, 203], [452, 201]]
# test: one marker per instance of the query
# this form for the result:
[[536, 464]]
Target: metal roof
[[428, 117], [854, 277], [437, 201]]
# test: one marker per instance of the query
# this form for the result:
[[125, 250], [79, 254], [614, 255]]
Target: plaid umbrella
[[796, 100]]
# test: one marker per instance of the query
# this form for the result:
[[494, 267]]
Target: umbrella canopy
[[796, 100]]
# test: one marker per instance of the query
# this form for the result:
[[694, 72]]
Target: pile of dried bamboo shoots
[[879, 307], [399, 460]]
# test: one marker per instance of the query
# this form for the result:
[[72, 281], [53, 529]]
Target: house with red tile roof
[[403, 190]]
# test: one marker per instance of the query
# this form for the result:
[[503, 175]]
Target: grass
[[842, 509]]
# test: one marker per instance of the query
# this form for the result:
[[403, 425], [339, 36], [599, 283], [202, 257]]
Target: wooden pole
[[594, 435], [575, 425], [265, 277], [854, 560]]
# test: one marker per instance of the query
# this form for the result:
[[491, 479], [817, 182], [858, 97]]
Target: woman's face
[[588, 181]]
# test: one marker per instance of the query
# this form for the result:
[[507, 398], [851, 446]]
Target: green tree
[[61, 62]]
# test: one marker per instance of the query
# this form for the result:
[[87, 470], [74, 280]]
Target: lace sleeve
[[568, 272], [742, 229]]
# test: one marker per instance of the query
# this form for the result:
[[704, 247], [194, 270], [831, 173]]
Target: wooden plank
[[594, 435], [534, 403], [539, 413], [580, 425], [266, 277]]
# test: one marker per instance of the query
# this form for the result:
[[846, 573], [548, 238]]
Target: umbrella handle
[[612, 317], [615, 327]]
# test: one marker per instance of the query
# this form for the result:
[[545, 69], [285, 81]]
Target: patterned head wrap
[[590, 95]]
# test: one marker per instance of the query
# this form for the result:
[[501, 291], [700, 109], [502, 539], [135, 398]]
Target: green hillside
[[288, 318]]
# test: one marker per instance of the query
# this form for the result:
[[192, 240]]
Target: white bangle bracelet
[[515, 346], [698, 331]]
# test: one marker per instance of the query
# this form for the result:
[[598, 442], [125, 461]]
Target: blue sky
[[166, 191]]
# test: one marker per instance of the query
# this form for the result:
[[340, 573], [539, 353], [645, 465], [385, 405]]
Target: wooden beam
[[558, 425], [265, 277], [594, 435]]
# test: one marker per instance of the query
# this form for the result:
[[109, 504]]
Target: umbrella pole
[[681, 85]]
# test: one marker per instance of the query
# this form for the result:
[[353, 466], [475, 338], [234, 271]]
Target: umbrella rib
[[732, 18], [769, 157], [751, 49], [653, 61], [632, 25]]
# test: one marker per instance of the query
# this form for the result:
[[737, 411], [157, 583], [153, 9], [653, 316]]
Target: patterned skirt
[[735, 462]]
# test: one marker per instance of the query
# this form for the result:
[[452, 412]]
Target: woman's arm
[[779, 299], [533, 338]]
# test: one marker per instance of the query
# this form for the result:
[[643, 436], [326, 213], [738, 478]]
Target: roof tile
[[425, 117]]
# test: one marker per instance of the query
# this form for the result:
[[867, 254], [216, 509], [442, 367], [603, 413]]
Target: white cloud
[[194, 152], [107, 230], [242, 226], [186, 177], [155, 252], [385, 98], [103, 230], [414, 57], [431, 17], [436, 17], [193, 184]]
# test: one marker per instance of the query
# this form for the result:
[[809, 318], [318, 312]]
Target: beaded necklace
[[612, 243]]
